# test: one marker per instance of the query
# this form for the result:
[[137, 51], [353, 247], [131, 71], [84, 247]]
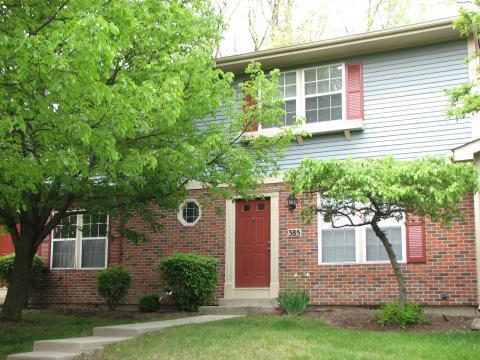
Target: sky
[[339, 18]]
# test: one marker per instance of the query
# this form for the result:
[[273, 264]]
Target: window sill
[[325, 127]]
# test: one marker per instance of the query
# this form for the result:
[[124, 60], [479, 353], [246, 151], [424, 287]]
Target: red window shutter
[[354, 91], [44, 250], [114, 247], [249, 102], [416, 249], [6, 243]]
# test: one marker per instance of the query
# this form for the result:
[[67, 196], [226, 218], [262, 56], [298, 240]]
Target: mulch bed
[[364, 319]]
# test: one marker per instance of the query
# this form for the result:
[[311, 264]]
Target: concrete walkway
[[69, 349]]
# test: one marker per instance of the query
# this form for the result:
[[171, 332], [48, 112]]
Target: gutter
[[348, 46]]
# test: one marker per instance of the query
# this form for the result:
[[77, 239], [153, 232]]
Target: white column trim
[[476, 206]]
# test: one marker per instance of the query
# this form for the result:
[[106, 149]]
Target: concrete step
[[131, 330], [248, 302], [80, 344], [45, 355], [235, 310]]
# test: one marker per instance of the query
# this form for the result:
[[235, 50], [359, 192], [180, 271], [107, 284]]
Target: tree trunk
[[402, 289], [20, 281]]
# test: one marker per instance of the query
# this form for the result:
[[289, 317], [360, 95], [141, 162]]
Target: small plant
[[7, 263], [113, 285], [294, 298], [190, 278], [149, 303], [394, 314]]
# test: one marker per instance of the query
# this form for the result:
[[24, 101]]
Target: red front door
[[252, 249]]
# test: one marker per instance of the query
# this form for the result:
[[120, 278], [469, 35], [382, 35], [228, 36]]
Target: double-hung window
[[80, 242], [316, 94], [287, 86], [351, 245], [323, 93]]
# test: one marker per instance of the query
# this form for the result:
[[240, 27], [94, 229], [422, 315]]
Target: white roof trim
[[467, 151]]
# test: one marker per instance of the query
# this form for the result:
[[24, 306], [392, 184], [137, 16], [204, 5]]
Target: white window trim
[[78, 247], [343, 91], [319, 127], [180, 213], [360, 243]]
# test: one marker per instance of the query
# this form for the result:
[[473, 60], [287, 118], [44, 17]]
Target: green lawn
[[19, 337], [273, 337]]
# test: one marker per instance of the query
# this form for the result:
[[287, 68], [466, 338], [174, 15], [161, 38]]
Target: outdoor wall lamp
[[292, 202]]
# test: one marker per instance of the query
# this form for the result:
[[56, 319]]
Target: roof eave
[[377, 41]]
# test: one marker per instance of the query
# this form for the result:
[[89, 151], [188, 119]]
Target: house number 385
[[294, 232]]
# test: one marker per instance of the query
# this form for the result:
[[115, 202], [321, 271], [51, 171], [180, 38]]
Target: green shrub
[[294, 298], [113, 285], [190, 278], [149, 303], [7, 263], [394, 314]]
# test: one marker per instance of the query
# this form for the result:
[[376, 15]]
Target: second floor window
[[288, 86], [316, 94], [323, 93]]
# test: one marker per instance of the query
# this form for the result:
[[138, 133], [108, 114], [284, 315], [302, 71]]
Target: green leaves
[[428, 187], [101, 104], [464, 99], [190, 278]]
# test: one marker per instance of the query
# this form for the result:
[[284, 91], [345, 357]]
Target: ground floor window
[[80, 242], [353, 245]]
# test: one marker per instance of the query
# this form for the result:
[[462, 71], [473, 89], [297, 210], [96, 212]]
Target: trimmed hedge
[[7, 263], [190, 278], [113, 285]]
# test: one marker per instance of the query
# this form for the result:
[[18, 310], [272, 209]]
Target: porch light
[[292, 202]]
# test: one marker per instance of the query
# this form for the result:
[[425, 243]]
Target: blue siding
[[405, 108]]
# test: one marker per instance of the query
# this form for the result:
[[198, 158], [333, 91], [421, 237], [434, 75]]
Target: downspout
[[473, 64], [476, 206]]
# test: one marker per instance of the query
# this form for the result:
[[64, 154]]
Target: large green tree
[[101, 105], [366, 192], [465, 99]]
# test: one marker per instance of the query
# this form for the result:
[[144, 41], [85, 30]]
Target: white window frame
[[328, 126], [78, 247], [361, 242], [305, 97], [180, 213]]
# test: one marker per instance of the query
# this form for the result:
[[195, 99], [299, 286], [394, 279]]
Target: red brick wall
[[206, 237], [450, 265]]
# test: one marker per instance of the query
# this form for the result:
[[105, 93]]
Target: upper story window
[[329, 98], [80, 242], [316, 94], [323, 93], [288, 86]]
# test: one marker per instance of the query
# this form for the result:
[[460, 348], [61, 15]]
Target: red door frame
[[252, 243]]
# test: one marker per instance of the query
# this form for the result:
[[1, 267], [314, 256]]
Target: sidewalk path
[[69, 349]]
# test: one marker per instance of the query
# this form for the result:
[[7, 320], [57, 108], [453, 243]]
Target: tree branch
[[50, 19]]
